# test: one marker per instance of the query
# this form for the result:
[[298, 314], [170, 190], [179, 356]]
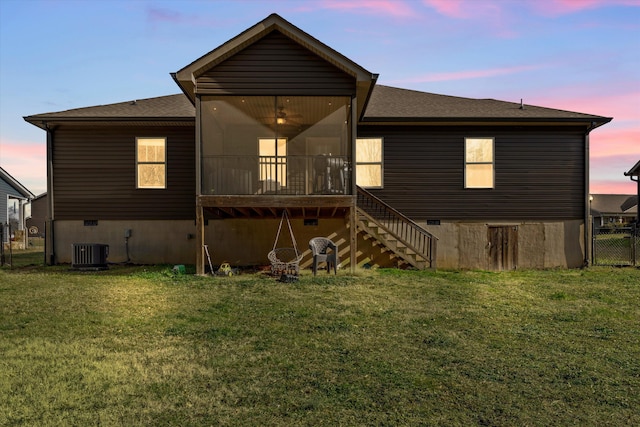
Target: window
[[151, 162], [273, 159], [369, 162], [478, 167]]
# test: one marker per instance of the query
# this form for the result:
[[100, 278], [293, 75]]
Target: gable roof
[[387, 104], [612, 204], [390, 104], [634, 171], [629, 203], [20, 189], [186, 77], [170, 107]]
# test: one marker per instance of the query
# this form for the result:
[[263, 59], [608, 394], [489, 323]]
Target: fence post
[[593, 241], [1, 244], [633, 242]]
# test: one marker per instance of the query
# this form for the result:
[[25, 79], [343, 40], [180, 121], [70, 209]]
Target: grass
[[142, 346]]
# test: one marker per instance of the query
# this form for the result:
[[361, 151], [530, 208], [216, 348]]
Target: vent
[[90, 256]]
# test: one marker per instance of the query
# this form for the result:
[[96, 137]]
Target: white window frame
[[467, 163], [140, 163], [381, 162]]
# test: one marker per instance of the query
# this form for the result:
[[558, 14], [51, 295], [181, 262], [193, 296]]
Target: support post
[[587, 205], [199, 240], [353, 235], [49, 229]]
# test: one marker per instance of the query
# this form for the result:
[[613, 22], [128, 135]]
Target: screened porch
[[276, 145]]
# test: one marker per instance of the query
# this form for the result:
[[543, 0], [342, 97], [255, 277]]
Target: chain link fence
[[616, 245]]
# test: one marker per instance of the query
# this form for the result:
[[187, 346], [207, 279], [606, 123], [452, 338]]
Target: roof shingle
[[386, 103], [394, 103], [170, 106]]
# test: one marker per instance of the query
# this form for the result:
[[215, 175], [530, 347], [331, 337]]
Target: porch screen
[[269, 144]]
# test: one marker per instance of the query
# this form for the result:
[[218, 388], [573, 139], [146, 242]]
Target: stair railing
[[399, 226]]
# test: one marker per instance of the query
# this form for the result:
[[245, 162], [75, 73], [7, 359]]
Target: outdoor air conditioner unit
[[90, 256]]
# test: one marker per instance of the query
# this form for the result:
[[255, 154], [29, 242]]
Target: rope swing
[[285, 261]]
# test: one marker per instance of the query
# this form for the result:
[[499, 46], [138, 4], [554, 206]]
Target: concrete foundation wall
[[540, 244], [248, 241], [171, 242], [240, 242]]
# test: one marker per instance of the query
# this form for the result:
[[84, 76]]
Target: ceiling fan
[[282, 118]]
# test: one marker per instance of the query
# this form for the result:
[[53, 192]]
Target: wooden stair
[[407, 242]]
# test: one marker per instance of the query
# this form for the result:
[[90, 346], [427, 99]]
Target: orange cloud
[[612, 187], [26, 162], [396, 8], [565, 7], [450, 8], [493, 15], [623, 107], [615, 142], [468, 74]]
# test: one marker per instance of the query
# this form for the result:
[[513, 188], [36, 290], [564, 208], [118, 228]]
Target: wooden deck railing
[[281, 175], [399, 226]]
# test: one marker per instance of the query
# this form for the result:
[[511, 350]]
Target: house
[[608, 210], [634, 172], [36, 221], [10, 191], [275, 120]]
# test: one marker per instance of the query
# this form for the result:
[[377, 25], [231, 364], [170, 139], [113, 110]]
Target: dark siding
[[275, 65], [95, 174], [539, 173]]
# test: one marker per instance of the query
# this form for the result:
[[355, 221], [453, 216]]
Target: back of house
[[274, 120]]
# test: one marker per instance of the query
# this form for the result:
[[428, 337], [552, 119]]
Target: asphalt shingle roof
[[612, 204], [386, 103], [170, 106], [395, 103]]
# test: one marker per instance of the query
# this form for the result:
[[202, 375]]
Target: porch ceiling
[[223, 207]]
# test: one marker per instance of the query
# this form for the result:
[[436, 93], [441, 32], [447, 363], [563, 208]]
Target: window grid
[[369, 162], [479, 162], [151, 162]]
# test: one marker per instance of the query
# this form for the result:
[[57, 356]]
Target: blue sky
[[578, 55]]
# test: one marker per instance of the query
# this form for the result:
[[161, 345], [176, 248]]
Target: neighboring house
[[273, 120], [36, 222], [608, 210], [634, 175], [11, 190]]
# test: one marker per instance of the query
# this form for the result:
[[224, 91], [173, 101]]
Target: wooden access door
[[503, 247]]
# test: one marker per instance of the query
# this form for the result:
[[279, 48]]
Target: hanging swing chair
[[285, 261]]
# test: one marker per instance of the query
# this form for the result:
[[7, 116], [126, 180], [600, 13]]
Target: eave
[[48, 122], [19, 188], [634, 171], [590, 124]]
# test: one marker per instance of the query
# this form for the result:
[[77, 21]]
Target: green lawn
[[141, 346]]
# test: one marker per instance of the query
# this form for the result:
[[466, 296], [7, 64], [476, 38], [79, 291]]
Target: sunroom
[[276, 120]]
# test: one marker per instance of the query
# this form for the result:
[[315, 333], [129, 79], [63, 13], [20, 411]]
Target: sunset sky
[[578, 55]]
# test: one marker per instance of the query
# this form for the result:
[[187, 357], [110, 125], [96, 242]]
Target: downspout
[[200, 230], [637, 181], [49, 252], [587, 206]]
